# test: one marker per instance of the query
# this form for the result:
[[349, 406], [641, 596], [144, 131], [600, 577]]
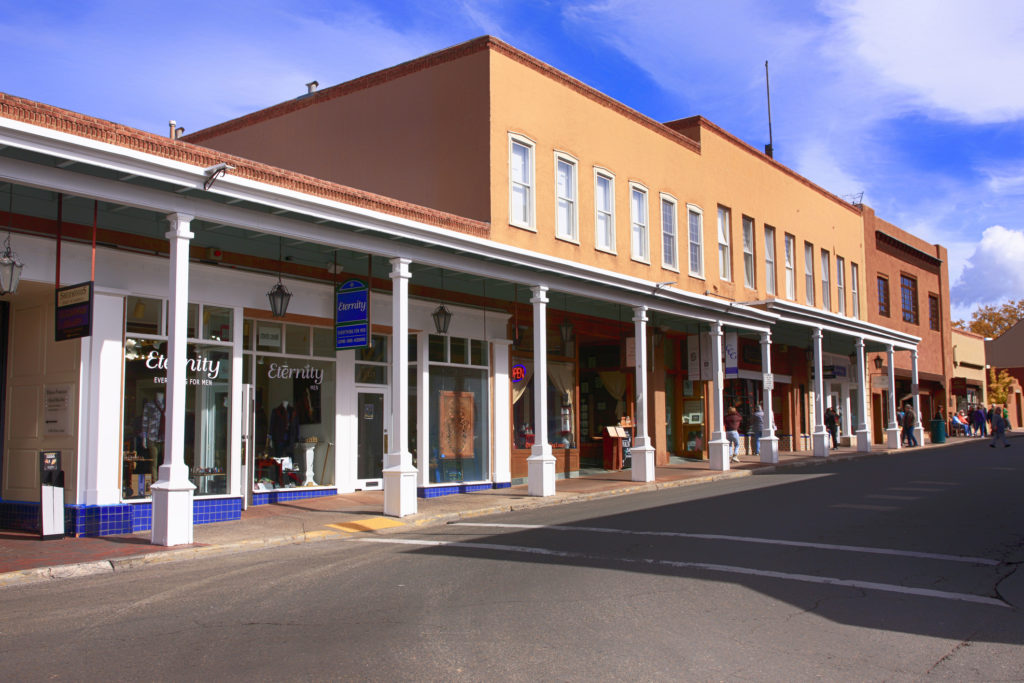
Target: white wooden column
[[863, 434], [541, 463], [642, 452], [399, 474], [892, 431], [502, 475], [769, 443], [915, 392], [172, 493], [819, 436], [718, 447]]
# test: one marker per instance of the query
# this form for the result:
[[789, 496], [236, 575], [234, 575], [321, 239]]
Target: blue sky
[[916, 104]]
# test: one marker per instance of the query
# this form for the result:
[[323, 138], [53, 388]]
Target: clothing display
[[284, 428]]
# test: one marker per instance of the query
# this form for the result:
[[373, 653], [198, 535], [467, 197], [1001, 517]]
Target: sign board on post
[[732, 355], [73, 312], [352, 315]]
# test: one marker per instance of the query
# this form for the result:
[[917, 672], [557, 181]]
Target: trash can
[[938, 431]]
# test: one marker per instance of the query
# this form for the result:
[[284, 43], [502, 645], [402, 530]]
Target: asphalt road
[[884, 568]]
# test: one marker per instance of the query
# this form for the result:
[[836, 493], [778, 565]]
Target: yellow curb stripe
[[371, 524]]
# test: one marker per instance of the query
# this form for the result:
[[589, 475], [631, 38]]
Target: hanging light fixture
[[441, 315], [10, 267], [566, 327], [279, 295]]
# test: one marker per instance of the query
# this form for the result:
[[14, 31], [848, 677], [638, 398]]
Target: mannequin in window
[[153, 413], [284, 429]]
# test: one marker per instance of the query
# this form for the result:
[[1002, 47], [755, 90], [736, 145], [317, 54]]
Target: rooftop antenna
[[769, 149]]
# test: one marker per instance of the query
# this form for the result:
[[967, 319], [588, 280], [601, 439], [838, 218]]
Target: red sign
[[518, 373]]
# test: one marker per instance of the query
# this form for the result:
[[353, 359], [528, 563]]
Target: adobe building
[[909, 291], [969, 383], [1006, 352], [419, 281]]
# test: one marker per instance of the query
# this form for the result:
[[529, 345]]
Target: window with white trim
[[790, 267], [669, 234], [841, 284], [695, 225], [604, 211], [565, 198], [749, 277], [521, 186], [639, 237], [724, 254], [854, 287], [809, 273], [826, 281], [769, 260]]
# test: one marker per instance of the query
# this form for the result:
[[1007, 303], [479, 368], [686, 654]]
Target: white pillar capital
[[540, 294], [180, 224]]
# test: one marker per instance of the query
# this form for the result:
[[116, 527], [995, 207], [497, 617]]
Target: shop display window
[[459, 409], [561, 414], [294, 407], [207, 415]]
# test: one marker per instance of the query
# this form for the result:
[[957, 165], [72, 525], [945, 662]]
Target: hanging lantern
[[10, 269], [442, 318], [279, 295], [566, 330]]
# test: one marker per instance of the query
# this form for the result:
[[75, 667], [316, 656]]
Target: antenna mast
[[769, 149]]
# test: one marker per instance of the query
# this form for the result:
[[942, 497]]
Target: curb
[[120, 564]]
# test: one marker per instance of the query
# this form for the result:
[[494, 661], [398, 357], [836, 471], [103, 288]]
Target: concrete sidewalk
[[24, 557]]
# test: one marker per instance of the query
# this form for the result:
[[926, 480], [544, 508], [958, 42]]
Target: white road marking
[[914, 488], [743, 539], [728, 569], [862, 506], [937, 483]]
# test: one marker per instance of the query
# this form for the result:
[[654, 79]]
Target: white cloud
[[957, 59], [994, 273]]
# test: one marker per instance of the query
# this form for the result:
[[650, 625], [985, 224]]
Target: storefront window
[[207, 413], [295, 408], [561, 413], [459, 409]]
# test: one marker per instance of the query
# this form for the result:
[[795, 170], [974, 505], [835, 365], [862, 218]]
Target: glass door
[[372, 438]]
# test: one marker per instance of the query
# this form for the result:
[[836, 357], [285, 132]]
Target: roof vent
[[311, 87]]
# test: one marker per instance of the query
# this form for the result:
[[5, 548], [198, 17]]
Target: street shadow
[[960, 501]]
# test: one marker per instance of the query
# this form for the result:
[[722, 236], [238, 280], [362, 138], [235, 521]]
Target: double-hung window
[[883, 296], [790, 267], [724, 255], [604, 210], [769, 260], [826, 281], [841, 285], [908, 299], [748, 253], [695, 225], [669, 234], [638, 219], [854, 290], [809, 273], [934, 322], [521, 183], [565, 198]]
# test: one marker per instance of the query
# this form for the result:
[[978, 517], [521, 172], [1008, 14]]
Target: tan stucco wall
[[969, 349], [557, 117], [420, 137]]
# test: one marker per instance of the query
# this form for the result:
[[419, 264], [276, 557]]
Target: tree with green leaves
[[992, 321]]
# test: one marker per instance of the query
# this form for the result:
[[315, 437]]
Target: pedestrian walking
[[998, 428], [832, 425], [756, 427], [909, 423], [732, 424]]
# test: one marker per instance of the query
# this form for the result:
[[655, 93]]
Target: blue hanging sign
[[352, 315]]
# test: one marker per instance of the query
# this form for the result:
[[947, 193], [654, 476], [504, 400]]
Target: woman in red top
[[732, 425]]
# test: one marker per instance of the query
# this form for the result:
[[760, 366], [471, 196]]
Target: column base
[[892, 438], [172, 507], [541, 472], [821, 441], [719, 451], [863, 441], [400, 491], [769, 447], [642, 455], [919, 433]]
